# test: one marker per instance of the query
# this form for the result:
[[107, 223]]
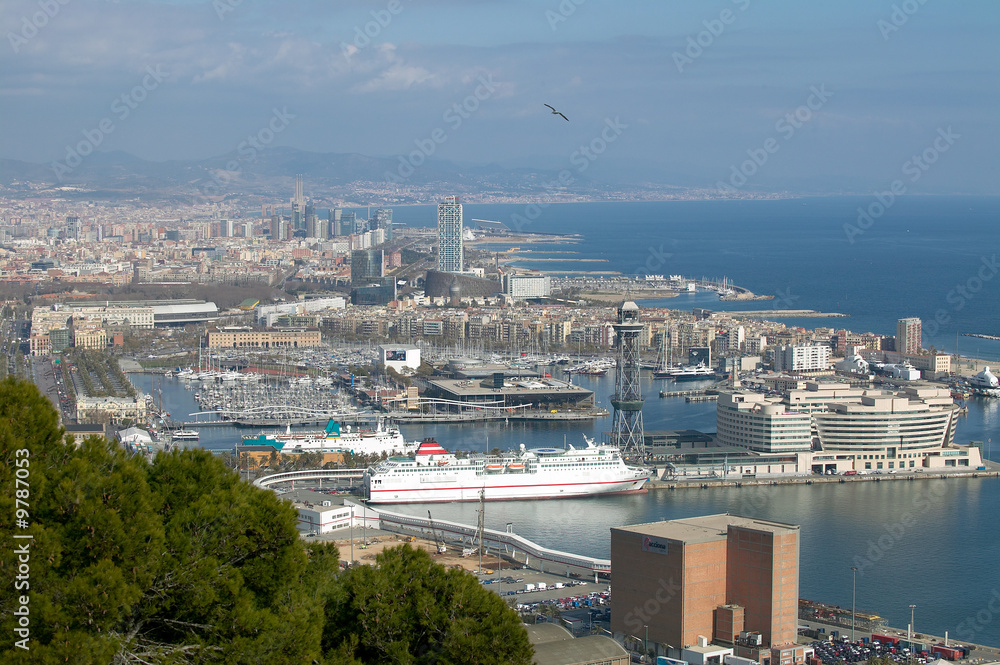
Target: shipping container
[[948, 653], [885, 639]]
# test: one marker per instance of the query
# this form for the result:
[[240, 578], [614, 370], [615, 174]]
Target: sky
[[846, 97]]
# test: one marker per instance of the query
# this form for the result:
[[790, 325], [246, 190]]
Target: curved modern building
[[832, 427], [894, 425], [761, 424], [438, 285]]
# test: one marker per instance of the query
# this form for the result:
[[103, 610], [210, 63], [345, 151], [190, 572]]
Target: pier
[[742, 481], [995, 338], [783, 313]]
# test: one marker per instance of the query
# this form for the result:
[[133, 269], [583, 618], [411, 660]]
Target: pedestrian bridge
[[336, 475], [510, 544]]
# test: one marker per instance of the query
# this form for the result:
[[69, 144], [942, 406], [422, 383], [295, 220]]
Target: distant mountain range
[[271, 173]]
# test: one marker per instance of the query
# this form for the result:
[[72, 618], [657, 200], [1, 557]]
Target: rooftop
[[706, 529]]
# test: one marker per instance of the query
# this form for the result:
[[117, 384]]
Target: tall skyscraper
[[348, 222], [299, 200], [383, 220], [334, 217], [450, 257], [908, 335]]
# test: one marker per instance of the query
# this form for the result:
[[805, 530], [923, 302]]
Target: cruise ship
[[377, 441], [435, 475]]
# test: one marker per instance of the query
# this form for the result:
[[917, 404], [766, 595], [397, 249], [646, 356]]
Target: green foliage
[[174, 562], [411, 610], [179, 561]]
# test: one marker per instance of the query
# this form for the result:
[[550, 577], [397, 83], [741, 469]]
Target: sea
[[930, 543]]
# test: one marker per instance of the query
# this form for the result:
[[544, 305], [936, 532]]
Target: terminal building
[[500, 391], [833, 427], [681, 584]]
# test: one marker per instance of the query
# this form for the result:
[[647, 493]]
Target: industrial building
[[682, 583]]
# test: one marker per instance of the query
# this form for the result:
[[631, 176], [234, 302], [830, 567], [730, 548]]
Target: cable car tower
[[627, 400]]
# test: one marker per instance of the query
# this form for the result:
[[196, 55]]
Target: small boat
[[185, 435], [515, 467], [494, 467]]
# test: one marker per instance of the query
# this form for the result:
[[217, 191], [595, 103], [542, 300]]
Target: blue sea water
[[930, 257]]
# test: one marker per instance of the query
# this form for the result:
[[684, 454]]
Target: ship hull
[[502, 488]]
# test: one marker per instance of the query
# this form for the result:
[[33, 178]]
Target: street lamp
[[645, 645], [854, 599], [910, 637]]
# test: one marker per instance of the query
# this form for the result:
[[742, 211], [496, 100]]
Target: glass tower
[[450, 257]]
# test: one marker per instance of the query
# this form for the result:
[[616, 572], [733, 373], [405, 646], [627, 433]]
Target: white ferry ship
[[185, 435], [375, 441], [435, 475]]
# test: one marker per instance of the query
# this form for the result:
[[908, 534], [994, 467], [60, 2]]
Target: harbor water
[[934, 544]]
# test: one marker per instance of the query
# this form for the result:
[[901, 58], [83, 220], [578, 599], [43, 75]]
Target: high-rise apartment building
[[802, 358], [908, 335], [450, 257], [382, 219]]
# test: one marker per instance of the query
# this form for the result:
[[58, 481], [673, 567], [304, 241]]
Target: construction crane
[[438, 543]]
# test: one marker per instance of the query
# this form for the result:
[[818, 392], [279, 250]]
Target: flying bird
[[555, 112]]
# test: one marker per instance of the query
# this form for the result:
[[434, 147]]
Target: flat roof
[[539, 633], [705, 529], [587, 649], [194, 308], [463, 387]]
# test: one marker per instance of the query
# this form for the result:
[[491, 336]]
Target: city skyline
[[739, 97]]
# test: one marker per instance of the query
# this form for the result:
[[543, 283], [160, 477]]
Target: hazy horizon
[[733, 93]]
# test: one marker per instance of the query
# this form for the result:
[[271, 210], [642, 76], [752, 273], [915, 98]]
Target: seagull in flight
[[555, 112]]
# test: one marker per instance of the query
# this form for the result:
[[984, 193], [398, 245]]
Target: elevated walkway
[[510, 545]]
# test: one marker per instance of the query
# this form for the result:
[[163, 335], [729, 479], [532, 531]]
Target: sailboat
[[665, 368]]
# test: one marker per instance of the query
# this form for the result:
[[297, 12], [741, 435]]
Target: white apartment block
[[802, 358]]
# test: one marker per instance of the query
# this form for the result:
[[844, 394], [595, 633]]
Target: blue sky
[[893, 76]]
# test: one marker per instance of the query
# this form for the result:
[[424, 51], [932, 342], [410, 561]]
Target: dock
[[741, 481]]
